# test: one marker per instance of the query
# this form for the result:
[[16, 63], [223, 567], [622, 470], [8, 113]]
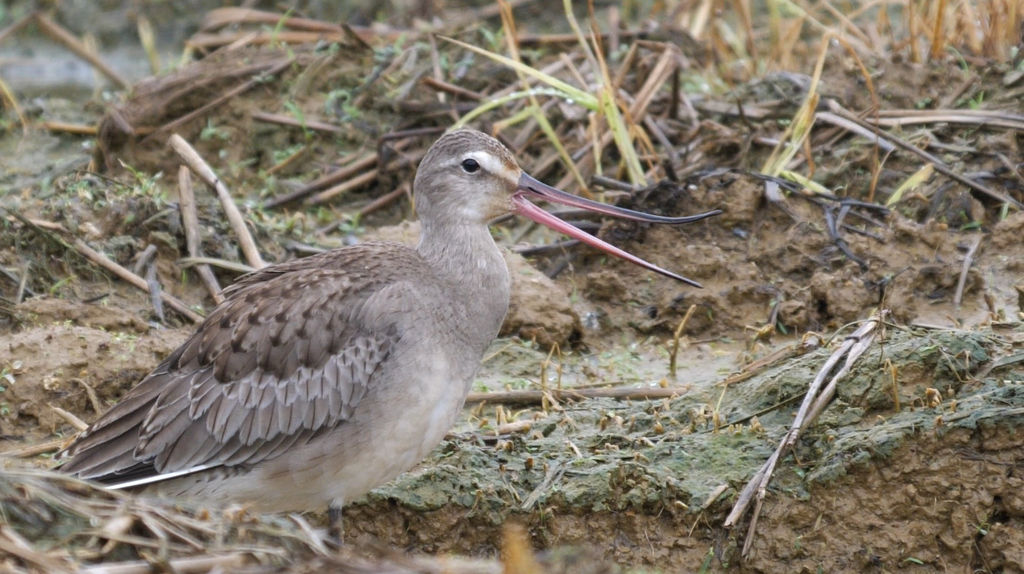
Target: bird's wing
[[290, 353]]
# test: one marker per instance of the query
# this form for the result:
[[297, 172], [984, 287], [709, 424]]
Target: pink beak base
[[530, 187]]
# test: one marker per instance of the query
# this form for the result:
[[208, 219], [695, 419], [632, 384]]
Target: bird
[[321, 378]]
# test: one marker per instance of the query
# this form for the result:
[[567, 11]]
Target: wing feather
[[289, 354]]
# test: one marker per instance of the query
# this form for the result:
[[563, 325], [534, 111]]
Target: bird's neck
[[466, 258]]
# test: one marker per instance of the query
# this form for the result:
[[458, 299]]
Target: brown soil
[[950, 502]]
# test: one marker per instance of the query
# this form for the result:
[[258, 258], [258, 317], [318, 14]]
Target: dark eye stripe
[[470, 165]]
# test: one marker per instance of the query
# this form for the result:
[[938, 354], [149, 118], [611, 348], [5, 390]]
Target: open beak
[[532, 188]]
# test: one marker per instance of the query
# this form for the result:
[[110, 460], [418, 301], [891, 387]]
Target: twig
[[12, 544], [832, 224], [672, 354], [354, 183], [986, 118], [363, 162], [968, 260], [855, 340], [192, 158], [56, 232], [234, 266], [290, 121], [70, 417], [16, 26], [940, 166], [862, 339], [155, 291], [783, 354], [203, 40], [19, 296], [813, 404], [224, 563], [90, 392], [533, 397], [190, 223], [361, 180], [221, 17], [68, 128], [8, 98], [143, 259], [856, 128], [31, 450], [554, 472], [384, 200], [115, 268], [442, 86], [258, 79]]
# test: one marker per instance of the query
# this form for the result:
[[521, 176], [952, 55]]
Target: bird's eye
[[470, 165]]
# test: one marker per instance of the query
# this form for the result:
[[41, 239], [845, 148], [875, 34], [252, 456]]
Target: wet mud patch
[[765, 261]]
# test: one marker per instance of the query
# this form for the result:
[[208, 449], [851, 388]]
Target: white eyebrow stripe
[[492, 164]]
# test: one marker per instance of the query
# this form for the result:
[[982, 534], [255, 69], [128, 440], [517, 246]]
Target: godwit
[[320, 378]]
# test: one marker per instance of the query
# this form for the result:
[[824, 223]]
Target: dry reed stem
[[115, 268], [360, 180], [452, 89], [292, 159], [940, 166], [148, 40], [782, 354], [890, 368], [814, 402], [17, 25], [14, 544], [204, 41], [215, 563], [242, 88], [675, 340], [968, 260], [28, 451], [800, 127], [62, 35], [221, 17], [938, 40], [978, 118], [69, 128], [535, 397], [306, 124], [354, 183], [190, 223], [70, 418], [356, 166], [8, 97], [94, 399], [855, 128], [193, 160], [508, 25], [233, 266]]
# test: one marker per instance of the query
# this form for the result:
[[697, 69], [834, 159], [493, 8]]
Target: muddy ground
[[917, 464]]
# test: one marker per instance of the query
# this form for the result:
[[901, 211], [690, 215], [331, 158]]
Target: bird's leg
[[335, 531]]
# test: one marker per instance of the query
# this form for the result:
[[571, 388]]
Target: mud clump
[[80, 358]]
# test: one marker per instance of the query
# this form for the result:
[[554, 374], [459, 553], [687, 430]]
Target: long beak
[[532, 188]]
